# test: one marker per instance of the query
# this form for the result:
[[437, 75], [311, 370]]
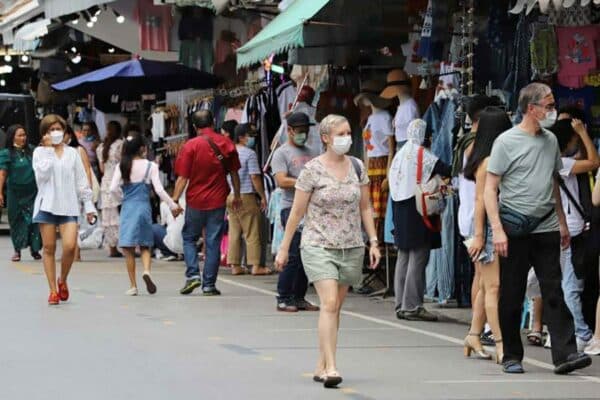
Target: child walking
[[133, 175]]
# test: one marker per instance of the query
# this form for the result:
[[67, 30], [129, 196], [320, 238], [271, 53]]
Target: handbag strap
[[217, 152], [563, 186], [420, 164]]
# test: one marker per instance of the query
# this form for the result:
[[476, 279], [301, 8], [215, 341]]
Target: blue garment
[[195, 222], [440, 270], [440, 119], [135, 226], [573, 289], [292, 283], [160, 232], [520, 70], [43, 217]]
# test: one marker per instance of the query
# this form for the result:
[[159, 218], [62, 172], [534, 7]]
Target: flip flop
[[535, 338]]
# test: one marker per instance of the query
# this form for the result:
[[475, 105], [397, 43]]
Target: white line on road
[[488, 381], [380, 321]]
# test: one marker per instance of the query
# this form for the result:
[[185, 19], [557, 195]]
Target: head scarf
[[403, 172]]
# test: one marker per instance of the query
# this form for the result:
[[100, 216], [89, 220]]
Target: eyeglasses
[[547, 107]]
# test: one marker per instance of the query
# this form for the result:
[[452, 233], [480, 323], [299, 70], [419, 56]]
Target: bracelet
[[373, 240]]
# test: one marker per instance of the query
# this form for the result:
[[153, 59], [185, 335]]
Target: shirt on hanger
[[576, 54], [154, 25], [406, 112], [376, 134], [158, 125]]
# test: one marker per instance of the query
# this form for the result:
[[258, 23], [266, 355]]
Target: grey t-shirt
[[291, 160], [526, 165]]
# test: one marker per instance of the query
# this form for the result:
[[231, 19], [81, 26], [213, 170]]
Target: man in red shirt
[[203, 165]]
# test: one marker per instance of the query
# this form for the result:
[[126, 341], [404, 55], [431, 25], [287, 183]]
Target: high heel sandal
[[499, 356], [469, 348]]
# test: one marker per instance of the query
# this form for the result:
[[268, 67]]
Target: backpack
[[429, 197]]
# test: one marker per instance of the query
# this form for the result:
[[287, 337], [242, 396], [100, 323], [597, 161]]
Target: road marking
[[528, 360], [341, 329], [488, 381], [215, 338]]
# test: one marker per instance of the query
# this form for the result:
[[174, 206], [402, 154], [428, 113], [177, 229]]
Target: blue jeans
[[573, 288], [159, 232], [292, 283], [195, 222]]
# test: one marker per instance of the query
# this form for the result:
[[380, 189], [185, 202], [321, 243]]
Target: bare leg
[[476, 285], [146, 256], [130, 262], [68, 235], [538, 309], [48, 233], [328, 320], [490, 277]]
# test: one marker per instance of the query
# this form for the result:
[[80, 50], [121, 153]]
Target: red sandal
[[63, 290], [53, 299]]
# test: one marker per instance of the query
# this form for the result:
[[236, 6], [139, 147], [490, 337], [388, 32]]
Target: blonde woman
[[332, 191]]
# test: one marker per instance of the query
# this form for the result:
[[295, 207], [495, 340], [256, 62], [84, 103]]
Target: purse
[[429, 198], [583, 248], [516, 224]]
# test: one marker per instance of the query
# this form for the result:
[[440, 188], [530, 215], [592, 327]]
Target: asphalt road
[[105, 345]]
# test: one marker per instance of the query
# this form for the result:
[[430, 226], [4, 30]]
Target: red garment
[[577, 54], [207, 187], [155, 24]]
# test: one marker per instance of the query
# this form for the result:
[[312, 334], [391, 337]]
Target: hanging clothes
[[441, 118], [576, 54], [520, 70], [544, 50], [154, 25]]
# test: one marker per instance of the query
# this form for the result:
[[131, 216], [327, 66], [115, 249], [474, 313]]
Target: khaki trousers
[[246, 222]]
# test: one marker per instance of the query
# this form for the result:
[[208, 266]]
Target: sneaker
[[285, 306], [212, 291], [303, 305], [420, 314], [190, 285], [150, 286], [400, 314], [170, 258], [487, 339], [548, 344], [593, 348], [132, 292], [582, 344], [574, 362]]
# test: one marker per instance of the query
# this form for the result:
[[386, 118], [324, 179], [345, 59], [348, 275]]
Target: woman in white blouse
[[62, 187]]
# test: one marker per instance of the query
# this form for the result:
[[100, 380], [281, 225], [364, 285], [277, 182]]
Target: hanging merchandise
[[435, 30], [520, 70], [158, 124], [154, 25], [544, 51], [196, 36], [577, 54]]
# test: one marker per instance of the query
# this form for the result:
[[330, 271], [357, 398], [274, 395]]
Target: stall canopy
[[137, 77], [328, 31]]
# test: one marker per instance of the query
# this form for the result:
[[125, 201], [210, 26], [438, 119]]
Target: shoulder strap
[[147, 171], [357, 168], [572, 199], [420, 164], [217, 152]]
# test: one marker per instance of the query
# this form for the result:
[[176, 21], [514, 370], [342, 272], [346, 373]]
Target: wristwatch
[[373, 241]]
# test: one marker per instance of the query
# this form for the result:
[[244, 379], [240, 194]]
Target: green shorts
[[344, 266]]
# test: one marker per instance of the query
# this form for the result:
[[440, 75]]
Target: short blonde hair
[[50, 120], [330, 122]]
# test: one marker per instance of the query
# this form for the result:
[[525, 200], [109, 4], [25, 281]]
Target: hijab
[[403, 171]]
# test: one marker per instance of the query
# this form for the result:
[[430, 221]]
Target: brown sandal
[[16, 257]]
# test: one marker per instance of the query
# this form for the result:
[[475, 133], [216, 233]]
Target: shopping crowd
[[520, 210]]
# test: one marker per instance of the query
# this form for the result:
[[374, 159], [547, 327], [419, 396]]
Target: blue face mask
[[251, 142]]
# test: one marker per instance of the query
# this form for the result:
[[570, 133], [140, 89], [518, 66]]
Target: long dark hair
[[10, 139], [492, 122], [74, 141], [113, 132], [132, 147], [93, 128]]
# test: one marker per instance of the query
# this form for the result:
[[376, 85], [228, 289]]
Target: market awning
[[284, 32], [27, 37]]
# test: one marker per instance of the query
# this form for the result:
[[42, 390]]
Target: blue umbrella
[[137, 77]]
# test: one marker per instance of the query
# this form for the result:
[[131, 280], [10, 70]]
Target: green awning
[[284, 32]]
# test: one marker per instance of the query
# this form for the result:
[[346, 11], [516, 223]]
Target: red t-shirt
[[197, 162]]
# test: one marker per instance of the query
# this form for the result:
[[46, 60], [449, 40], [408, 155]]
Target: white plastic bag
[[174, 238]]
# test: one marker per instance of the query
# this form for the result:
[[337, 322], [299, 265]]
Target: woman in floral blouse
[[333, 192]]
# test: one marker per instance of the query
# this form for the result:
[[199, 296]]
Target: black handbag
[[583, 249], [516, 224]]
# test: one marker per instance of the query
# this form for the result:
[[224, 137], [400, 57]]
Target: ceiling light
[[111, 50], [75, 21], [8, 58], [74, 49], [24, 58], [90, 24], [76, 59], [94, 18], [119, 17], [97, 12], [6, 69], [2, 82]]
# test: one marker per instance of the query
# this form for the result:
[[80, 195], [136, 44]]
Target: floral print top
[[333, 219]]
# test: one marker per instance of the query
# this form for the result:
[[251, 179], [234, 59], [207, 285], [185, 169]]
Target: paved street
[[104, 345]]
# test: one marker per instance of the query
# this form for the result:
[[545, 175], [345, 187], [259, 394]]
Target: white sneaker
[[582, 344], [132, 291], [170, 258], [548, 344], [158, 254], [593, 348]]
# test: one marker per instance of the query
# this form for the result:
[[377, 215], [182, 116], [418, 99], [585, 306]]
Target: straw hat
[[370, 91], [396, 78]]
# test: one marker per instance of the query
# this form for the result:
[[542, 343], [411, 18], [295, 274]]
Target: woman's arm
[[86, 164], [115, 184], [100, 158], [43, 163], [159, 189], [3, 174], [479, 215], [596, 192], [593, 160], [366, 213], [297, 212]]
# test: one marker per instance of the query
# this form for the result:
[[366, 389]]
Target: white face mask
[[550, 119], [57, 136], [341, 144]]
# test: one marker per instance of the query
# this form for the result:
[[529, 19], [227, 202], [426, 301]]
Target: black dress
[[410, 231]]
